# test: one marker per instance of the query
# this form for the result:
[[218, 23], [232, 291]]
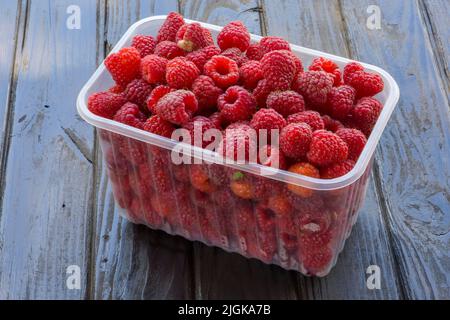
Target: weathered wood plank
[[220, 275], [413, 156], [134, 262], [46, 223], [318, 25]]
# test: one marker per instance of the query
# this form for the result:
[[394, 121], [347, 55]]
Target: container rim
[[254, 168]]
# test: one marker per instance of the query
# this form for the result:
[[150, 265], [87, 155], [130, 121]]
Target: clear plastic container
[[303, 231]]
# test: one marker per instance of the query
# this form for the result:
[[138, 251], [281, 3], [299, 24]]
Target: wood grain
[[318, 25]]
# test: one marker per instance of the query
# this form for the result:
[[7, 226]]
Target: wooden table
[[57, 209]]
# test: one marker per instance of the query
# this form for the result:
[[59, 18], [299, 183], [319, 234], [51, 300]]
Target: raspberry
[[286, 102], [267, 239], [340, 101], [105, 104], [255, 52], [366, 84], [206, 92], [181, 73], [181, 172], [144, 44], [365, 114], [156, 95], [327, 148], [218, 174], [234, 34], [242, 188], [297, 61], [331, 124], [222, 70], [168, 50], [271, 156], [337, 169], [355, 140], [177, 107], [140, 181], [267, 119], [200, 180], [323, 64], [314, 86], [250, 74], [208, 37], [295, 139], [137, 92], [116, 89], [191, 37], [135, 151], [238, 143], [236, 104], [197, 128], [314, 221], [261, 92], [124, 65], [130, 114], [305, 169], [270, 43], [156, 125], [170, 27], [310, 117], [153, 69], [216, 118], [316, 260], [280, 205], [236, 55], [200, 57], [279, 69]]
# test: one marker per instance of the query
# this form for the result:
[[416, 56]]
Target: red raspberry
[[331, 124], [223, 70], [156, 125], [366, 84], [116, 89], [236, 55], [323, 64], [236, 104], [197, 128], [144, 44], [316, 239], [297, 61], [200, 57], [365, 114], [255, 52], [208, 37], [169, 29], [218, 174], [316, 260], [261, 92], [250, 74], [216, 117], [124, 65], [191, 37], [153, 69], [234, 34], [340, 101], [181, 172], [206, 92], [267, 237], [279, 69], [310, 117], [267, 119], [238, 143], [271, 156], [105, 104], [138, 91], [355, 140], [295, 139], [181, 73], [168, 50], [131, 115], [327, 148], [155, 95], [286, 102], [314, 86], [270, 43], [177, 107], [337, 169]]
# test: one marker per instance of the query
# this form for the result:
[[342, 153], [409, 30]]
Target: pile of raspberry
[[182, 77]]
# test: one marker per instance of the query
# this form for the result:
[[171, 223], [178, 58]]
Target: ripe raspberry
[[199, 178], [238, 143], [271, 156], [267, 239], [261, 92], [365, 114], [295, 139], [250, 74], [314, 86], [208, 37], [124, 65], [236, 104], [116, 89], [168, 50], [200, 57], [130, 114], [286, 102], [105, 104], [169, 29], [234, 34], [314, 220], [366, 84], [279, 69], [144, 44], [305, 169], [216, 118], [310, 117], [181, 73], [337, 169], [270, 43], [156, 125], [197, 128], [236, 55], [156, 95], [177, 107], [218, 174], [297, 61], [327, 148], [323, 64], [355, 140], [280, 205], [340, 101], [255, 52], [153, 69], [316, 260], [223, 71], [137, 92], [191, 37], [267, 119], [206, 92], [181, 172], [331, 124]]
